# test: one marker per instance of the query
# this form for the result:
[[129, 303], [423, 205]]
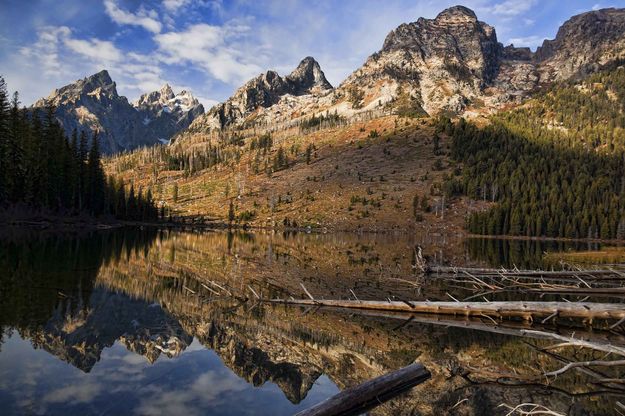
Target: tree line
[[43, 169], [553, 168]]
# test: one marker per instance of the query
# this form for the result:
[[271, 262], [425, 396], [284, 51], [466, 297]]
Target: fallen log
[[450, 270], [598, 340], [359, 399], [594, 274], [508, 309]]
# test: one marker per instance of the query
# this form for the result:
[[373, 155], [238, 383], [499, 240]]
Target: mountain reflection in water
[[128, 322]]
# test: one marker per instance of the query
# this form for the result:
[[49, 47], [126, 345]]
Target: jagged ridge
[[451, 63], [266, 90], [93, 104]]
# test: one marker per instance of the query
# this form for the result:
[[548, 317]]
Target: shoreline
[[79, 224]]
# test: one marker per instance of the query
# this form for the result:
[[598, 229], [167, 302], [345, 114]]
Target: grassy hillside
[[385, 173], [551, 167]]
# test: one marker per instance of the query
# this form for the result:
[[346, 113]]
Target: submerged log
[[359, 399], [598, 340], [515, 272], [508, 309]]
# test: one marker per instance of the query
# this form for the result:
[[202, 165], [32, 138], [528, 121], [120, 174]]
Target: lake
[[165, 322]]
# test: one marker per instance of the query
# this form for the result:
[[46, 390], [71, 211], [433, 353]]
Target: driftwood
[[527, 273], [598, 340], [359, 399], [508, 309]]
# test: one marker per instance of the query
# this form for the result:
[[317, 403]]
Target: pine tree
[[415, 206], [131, 205], [95, 178], [4, 138], [14, 154], [41, 167], [231, 214]]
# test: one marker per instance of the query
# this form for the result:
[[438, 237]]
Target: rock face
[[93, 104], [265, 91], [452, 63], [583, 44], [455, 63], [167, 113], [440, 64]]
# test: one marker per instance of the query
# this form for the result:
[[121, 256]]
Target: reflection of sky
[[122, 382]]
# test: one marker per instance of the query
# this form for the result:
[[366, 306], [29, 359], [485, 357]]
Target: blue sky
[[212, 46]]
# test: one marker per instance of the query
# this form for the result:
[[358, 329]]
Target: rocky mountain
[[455, 63], [168, 113], [452, 63], [436, 64], [265, 91], [583, 44], [93, 104]]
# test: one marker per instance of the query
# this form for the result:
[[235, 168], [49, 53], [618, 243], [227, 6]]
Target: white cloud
[[59, 57], [510, 8], [98, 50], [74, 393], [46, 49], [146, 19], [174, 5], [206, 102], [212, 48]]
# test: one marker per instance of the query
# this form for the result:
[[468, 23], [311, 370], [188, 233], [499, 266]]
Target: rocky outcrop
[[452, 63], [265, 91], [167, 113], [582, 45], [440, 64], [307, 78], [93, 104]]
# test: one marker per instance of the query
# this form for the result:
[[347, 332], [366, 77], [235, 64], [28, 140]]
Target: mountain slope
[[356, 157], [583, 44], [571, 142], [265, 91], [439, 63], [93, 104]]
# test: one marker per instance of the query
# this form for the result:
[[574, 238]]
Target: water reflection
[[523, 254], [135, 321]]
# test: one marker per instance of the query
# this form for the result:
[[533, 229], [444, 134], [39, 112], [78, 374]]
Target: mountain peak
[[166, 91], [100, 81], [308, 75], [308, 62], [593, 38], [101, 78], [457, 13]]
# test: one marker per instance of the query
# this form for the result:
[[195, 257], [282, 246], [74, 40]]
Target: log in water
[[507, 309], [359, 399]]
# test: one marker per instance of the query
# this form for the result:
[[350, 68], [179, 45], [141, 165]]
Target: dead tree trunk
[[359, 399], [509, 309]]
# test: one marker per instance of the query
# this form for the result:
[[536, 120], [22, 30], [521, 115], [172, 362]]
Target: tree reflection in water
[[101, 300]]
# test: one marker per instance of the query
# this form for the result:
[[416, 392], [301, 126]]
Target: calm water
[[130, 322]]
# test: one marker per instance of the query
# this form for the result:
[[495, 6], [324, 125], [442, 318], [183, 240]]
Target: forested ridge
[[554, 167], [46, 172]]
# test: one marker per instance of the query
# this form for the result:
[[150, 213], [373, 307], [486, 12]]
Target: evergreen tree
[[4, 139], [95, 178], [42, 168], [231, 214]]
